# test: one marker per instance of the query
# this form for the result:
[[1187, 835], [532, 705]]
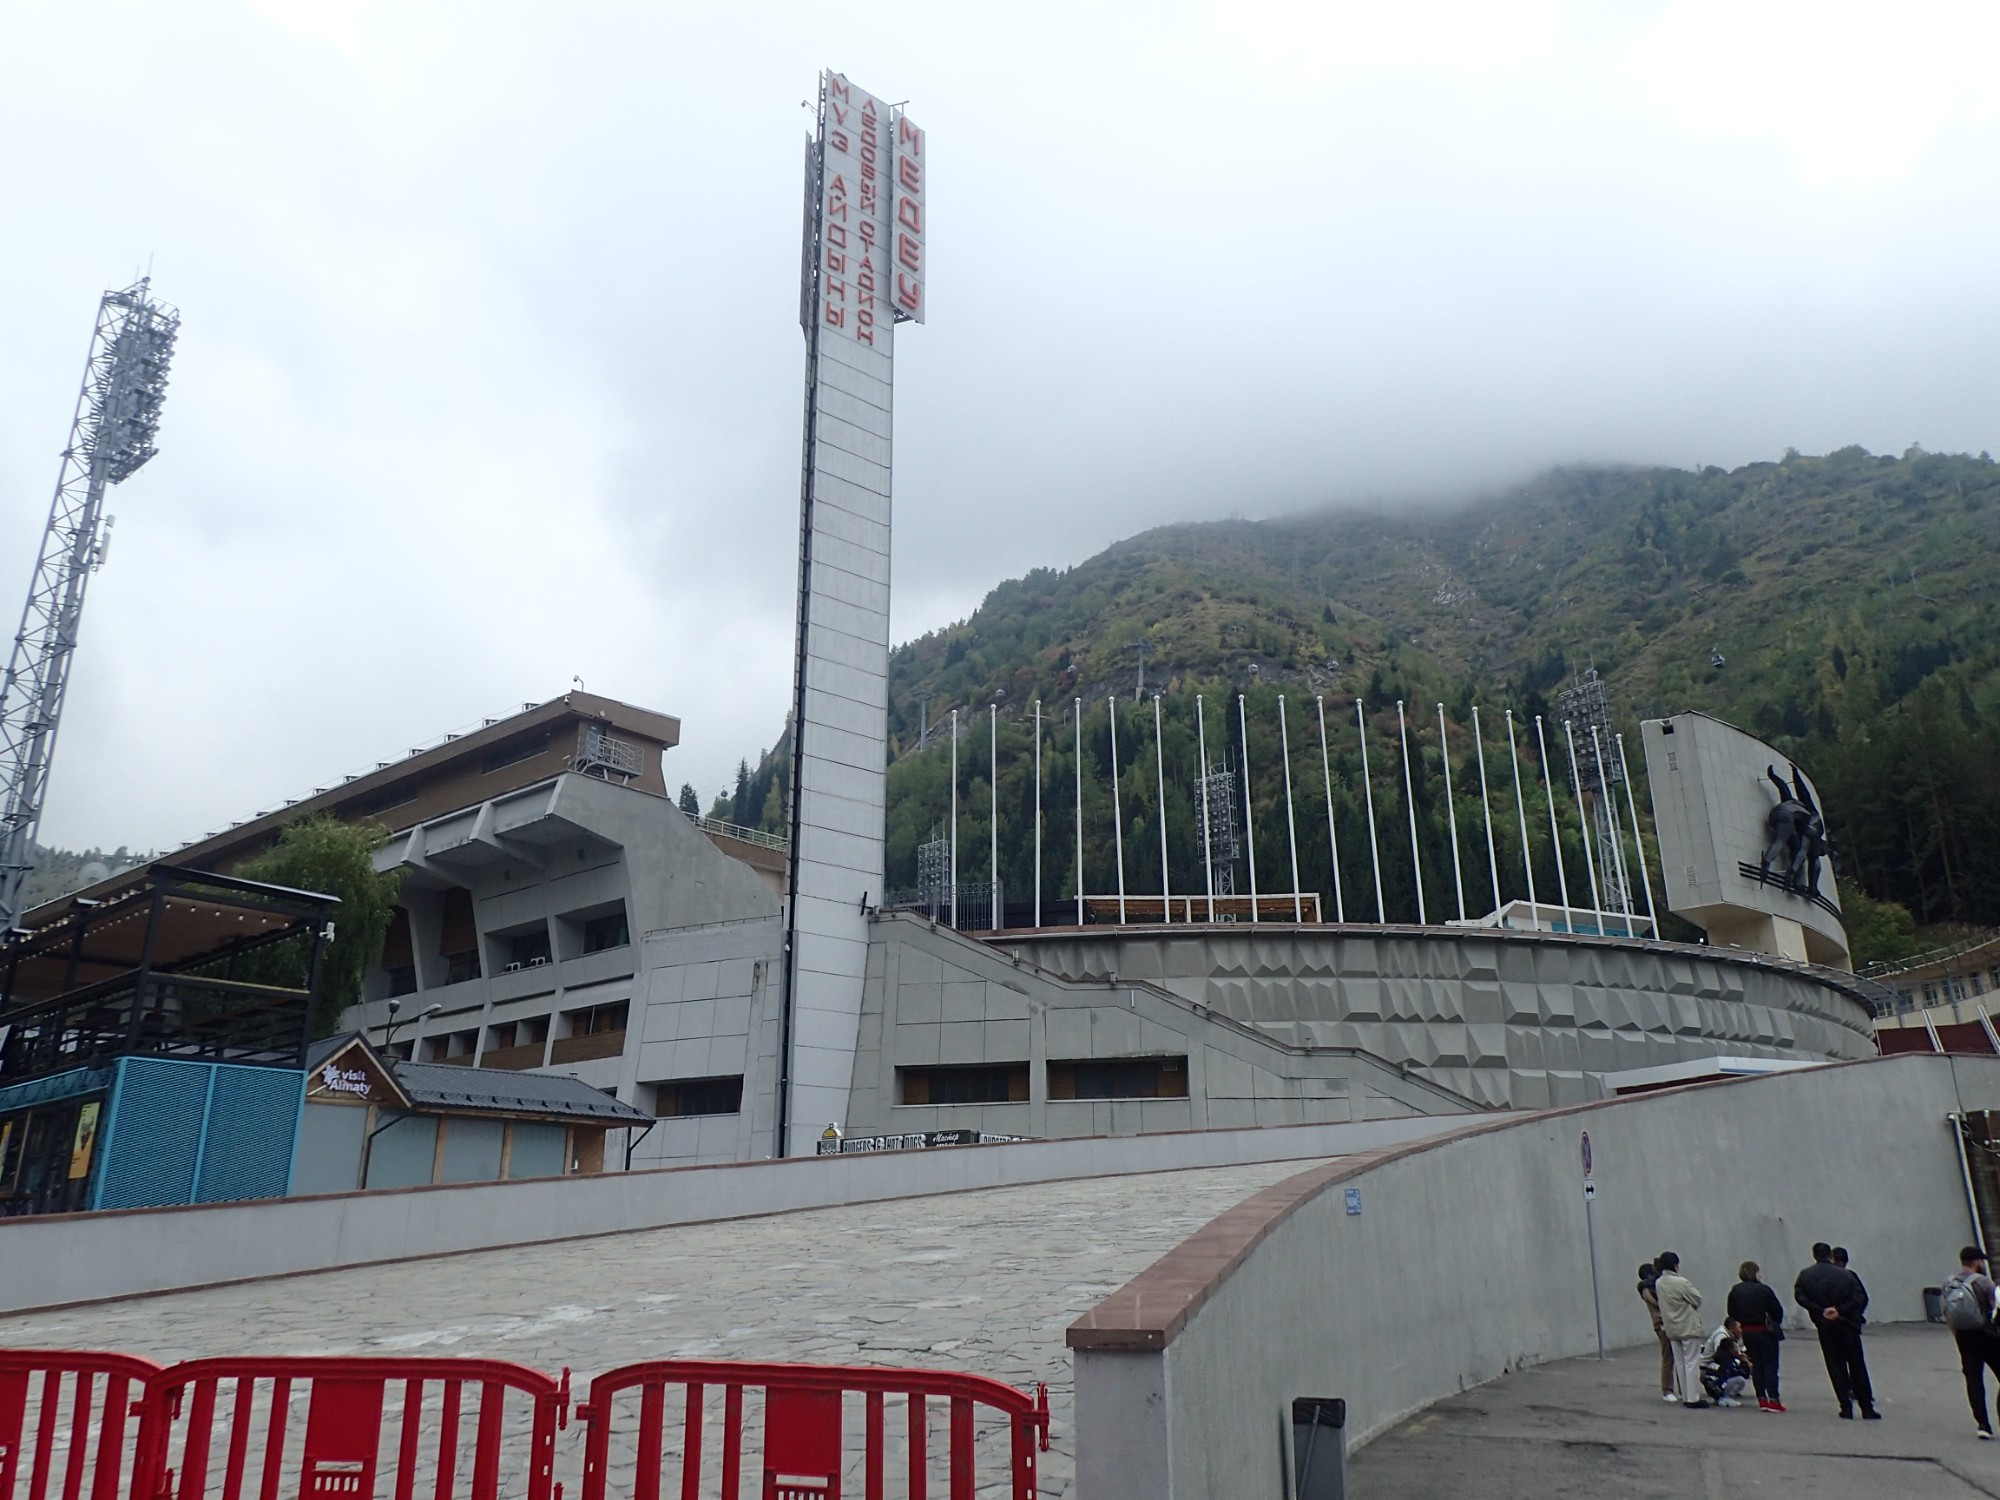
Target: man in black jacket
[[1837, 1303]]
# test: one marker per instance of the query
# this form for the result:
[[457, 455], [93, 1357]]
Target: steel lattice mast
[[111, 437]]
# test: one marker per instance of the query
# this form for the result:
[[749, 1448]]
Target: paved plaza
[[1580, 1430], [981, 1281]]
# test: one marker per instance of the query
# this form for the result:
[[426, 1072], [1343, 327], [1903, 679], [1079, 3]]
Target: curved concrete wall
[[1518, 1019], [1468, 1259]]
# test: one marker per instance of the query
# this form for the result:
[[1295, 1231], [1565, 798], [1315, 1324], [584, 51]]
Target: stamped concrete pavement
[[980, 1281], [1581, 1429]]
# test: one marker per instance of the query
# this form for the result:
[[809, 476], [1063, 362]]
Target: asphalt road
[[1591, 1431]]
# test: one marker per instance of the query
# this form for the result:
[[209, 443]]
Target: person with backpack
[[1837, 1303], [1680, 1319], [1648, 1274], [1969, 1302], [1756, 1310]]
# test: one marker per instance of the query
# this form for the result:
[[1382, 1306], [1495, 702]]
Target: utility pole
[[111, 438]]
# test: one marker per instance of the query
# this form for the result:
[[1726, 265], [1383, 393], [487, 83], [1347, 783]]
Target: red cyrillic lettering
[[910, 252], [910, 214]]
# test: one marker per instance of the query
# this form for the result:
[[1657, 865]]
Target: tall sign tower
[[862, 274], [110, 438]]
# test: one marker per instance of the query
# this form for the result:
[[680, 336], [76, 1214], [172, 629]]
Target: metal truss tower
[[1220, 844], [110, 439], [1587, 708]]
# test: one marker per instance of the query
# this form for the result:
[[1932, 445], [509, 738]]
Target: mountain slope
[[1851, 597]]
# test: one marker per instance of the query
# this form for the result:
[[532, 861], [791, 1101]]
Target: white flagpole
[[993, 803], [1291, 828], [1638, 843], [1249, 822], [1332, 838], [1617, 831], [1079, 812], [954, 819], [1521, 812], [1486, 808], [1555, 834], [1589, 858], [1451, 809], [1038, 812], [1160, 774], [1207, 854], [1410, 806], [1368, 791], [1117, 816]]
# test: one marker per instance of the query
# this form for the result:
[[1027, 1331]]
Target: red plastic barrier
[[802, 1449], [342, 1451], [99, 1392]]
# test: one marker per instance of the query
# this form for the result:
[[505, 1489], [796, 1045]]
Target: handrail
[[737, 831]]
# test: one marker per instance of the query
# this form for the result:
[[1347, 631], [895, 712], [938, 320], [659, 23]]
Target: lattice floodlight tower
[[1216, 799], [934, 874], [1587, 709], [110, 439]]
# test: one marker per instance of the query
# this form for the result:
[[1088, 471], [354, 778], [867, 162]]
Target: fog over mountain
[[490, 372]]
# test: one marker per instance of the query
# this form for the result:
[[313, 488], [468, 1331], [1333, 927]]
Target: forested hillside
[[1842, 607]]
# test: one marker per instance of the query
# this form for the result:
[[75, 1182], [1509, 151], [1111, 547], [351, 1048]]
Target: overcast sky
[[490, 374]]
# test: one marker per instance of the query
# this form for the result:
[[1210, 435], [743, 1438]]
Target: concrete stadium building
[[560, 914]]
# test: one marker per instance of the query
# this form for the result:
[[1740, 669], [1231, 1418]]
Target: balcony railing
[[755, 836]]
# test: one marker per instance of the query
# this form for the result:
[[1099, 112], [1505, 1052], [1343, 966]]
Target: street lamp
[[389, 1033]]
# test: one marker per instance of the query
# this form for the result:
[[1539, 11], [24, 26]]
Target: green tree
[[690, 800], [333, 858]]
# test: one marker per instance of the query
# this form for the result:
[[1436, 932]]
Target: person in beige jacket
[[1680, 1320]]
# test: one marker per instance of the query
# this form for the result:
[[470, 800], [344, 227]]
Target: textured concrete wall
[[61, 1259], [1510, 1018], [1712, 800], [936, 997], [1468, 1260]]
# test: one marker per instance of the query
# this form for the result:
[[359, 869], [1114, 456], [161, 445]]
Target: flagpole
[[1291, 827], [1117, 815], [1249, 820], [1160, 775], [1368, 791], [1207, 853], [1410, 806], [1038, 812], [1486, 807], [1079, 812], [1555, 834], [1589, 858], [1639, 843], [1521, 812], [1332, 838], [1451, 809]]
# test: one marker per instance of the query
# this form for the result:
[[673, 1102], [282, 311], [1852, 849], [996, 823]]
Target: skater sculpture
[[1795, 836]]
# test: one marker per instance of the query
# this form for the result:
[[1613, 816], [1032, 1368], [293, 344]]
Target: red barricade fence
[[806, 1426], [92, 1426], [66, 1412], [315, 1428]]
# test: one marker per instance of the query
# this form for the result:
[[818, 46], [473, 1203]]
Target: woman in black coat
[[1756, 1308]]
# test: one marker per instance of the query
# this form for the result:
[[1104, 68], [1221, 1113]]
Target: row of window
[[587, 1032], [1080, 1078], [527, 947]]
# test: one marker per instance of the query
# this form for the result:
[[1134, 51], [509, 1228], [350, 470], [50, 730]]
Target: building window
[[697, 1096], [516, 752], [1119, 1078], [604, 932], [461, 966], [993, 1083], [402, 979], [527, 950], [451, 1046], [596, 1031]]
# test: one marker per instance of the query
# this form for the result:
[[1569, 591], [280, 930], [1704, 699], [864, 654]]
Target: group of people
[[1700, 1367]]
